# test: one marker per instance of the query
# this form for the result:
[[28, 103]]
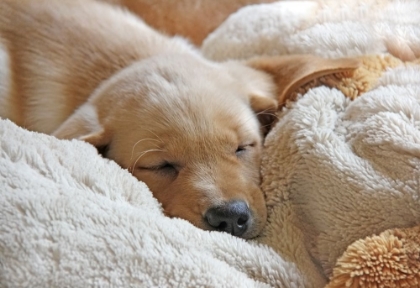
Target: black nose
[[231, 217]]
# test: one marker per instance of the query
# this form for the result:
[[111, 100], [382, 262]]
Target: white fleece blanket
[[334, 171], [69, 218]]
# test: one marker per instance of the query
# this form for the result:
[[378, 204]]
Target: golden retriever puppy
[[185, 126]]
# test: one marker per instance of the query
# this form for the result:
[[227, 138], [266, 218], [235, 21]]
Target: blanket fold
[[69, 218]]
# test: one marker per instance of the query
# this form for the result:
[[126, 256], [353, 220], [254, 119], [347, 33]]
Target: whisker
[[131, 167], [141, 140], [264, 112], [155, 135], [260, 113]]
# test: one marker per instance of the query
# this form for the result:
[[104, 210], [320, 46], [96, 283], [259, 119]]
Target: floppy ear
[[84, 125], [293, 71]]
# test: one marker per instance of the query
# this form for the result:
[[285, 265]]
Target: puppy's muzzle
[[232, 217]]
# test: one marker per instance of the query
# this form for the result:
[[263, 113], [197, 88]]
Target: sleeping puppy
[[187, 127]]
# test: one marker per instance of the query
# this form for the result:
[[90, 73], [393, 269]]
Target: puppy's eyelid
[[160, 167], [243, 148]]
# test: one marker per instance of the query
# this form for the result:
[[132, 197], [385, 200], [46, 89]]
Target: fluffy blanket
[[69, 218], [334, 171]]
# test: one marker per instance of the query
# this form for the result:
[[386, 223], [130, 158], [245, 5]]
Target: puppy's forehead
[[193, 94], [197, 119], [187, 99], [187, 125]]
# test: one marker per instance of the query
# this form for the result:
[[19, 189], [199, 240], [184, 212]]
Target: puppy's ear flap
[[84, 125], [293, 71]]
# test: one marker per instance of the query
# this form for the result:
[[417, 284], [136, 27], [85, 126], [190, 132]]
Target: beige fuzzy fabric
[[359, 81], [344, 169], [334, 171], [69, 218], [391, 259], [327, 28]]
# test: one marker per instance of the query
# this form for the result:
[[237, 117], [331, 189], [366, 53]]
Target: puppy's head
[[188, 129], [191, 130]]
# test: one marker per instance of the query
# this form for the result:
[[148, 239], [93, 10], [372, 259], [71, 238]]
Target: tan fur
[[87, 70], [294, 71], [193, 19]]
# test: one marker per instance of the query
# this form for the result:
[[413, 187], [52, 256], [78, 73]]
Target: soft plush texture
[[326, 28], [334, 171], [352, 83], [347, 169], [338, 170], [391, 259], [69, 218]]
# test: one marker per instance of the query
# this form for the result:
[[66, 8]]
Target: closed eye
[[241, 149], [164, 168]]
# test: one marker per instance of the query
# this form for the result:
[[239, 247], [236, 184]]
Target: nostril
[[232, 217], [222, 226], [243, 220]]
